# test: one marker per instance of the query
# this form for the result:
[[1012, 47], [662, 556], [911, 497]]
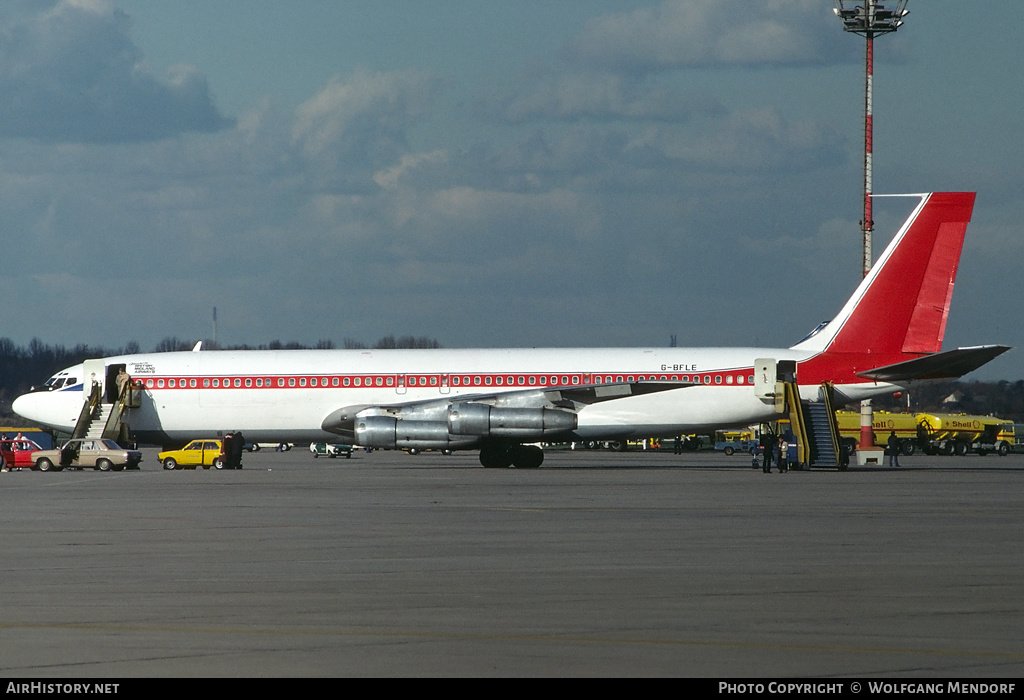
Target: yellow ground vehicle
[[883, 424], [933, 433], [950, 433], [198, 453]]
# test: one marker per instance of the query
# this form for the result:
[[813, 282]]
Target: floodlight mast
[[869, 18]]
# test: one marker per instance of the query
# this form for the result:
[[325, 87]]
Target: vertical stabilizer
[[903, 303]]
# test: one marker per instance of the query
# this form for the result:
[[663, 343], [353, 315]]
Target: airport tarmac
[[597, 564]]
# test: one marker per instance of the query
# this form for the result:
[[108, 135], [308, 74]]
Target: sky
[[490, 174]]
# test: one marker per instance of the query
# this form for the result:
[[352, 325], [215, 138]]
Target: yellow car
[[198, 453]]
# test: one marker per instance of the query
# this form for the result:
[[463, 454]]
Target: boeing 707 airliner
[[887, 336]]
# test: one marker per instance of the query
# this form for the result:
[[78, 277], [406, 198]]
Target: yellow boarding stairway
[[814, 426]]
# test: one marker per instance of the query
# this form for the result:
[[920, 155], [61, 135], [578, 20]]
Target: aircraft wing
[[941, 365], [556, 398]]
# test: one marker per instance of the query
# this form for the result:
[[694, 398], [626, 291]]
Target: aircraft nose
[[27, 406]]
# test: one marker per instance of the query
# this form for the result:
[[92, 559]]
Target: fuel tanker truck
[[932, 433], [882, 425], [958, 434]]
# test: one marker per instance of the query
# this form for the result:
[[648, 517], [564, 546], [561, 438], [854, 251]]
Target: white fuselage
[[286, 395]]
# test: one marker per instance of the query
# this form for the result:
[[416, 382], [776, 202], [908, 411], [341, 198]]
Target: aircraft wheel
[[495, 458], [170, 464], [527, 457]]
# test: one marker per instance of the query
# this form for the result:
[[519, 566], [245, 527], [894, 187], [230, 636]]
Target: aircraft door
[[110, 388], [764, 378], [94, 373]]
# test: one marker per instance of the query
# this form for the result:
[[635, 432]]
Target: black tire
[[218, 463], [104, 465], [495, 458], [44, 465], [1003, 449], [527, 456], [170, 464], [908, 448], [728, 451]]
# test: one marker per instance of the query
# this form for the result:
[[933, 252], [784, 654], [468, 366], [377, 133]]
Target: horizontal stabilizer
[[942, 365]]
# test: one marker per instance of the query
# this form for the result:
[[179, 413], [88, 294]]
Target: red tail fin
[[902, 305]]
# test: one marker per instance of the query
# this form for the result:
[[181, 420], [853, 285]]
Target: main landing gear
[[504, 456]]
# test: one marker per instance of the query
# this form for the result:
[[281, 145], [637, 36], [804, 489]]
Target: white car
[[330, 449]]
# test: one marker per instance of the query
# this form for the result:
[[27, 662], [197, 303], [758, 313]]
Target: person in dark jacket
[[237, 446], [892, 446], [767, 447]]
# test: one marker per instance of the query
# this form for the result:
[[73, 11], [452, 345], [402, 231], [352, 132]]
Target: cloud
[[71, 73], [601, 96], [689, 33], [356, 125]]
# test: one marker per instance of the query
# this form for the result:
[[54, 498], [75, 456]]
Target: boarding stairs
[[99, 420], [815, 427]]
